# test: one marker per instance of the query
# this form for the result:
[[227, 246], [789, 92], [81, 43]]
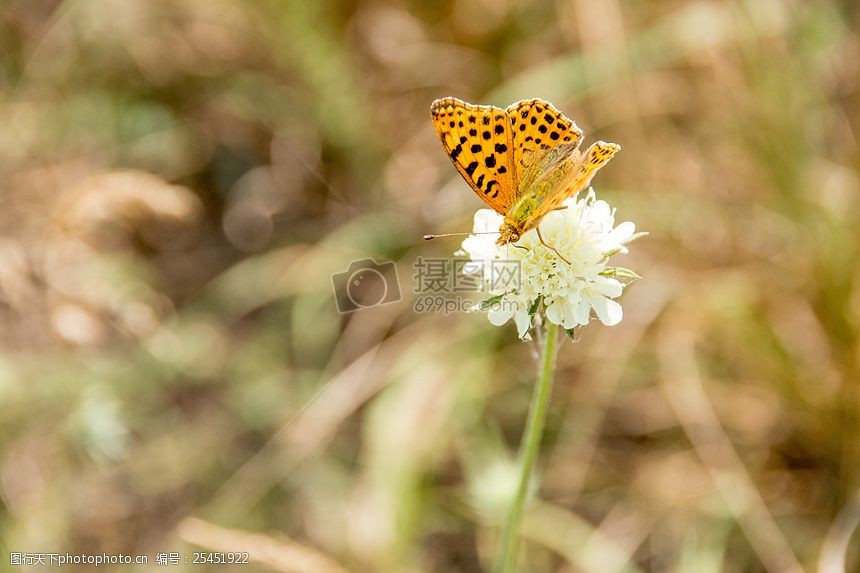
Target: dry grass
[[175, 374]]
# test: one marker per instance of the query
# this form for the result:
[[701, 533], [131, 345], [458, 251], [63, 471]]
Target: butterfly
[[523, 161]]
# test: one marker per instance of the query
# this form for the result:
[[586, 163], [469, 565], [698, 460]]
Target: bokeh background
[[180, 179]]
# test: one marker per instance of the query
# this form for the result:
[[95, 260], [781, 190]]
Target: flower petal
[[555, 312], [608, 311], [583, 311], [608, 287], [623, 231], [486, 220], [523, 321], [499, 316]]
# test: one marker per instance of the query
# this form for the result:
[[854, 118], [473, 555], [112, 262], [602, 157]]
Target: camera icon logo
[[364, 284]]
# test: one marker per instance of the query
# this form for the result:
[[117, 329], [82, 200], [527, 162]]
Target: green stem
[[528, 453]]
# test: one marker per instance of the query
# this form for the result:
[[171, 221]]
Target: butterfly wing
[[597, 155], [565, 176], [549, 165], [536, 127], [523, 161], [477, 138]]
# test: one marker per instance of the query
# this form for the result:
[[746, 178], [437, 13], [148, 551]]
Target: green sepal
[[535, 306], [486, 304], [622, 274], [635, 236]]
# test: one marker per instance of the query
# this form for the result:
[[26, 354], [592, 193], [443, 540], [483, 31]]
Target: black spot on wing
[[470, 168]]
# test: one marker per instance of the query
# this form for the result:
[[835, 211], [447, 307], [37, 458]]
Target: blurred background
[[180, 179]]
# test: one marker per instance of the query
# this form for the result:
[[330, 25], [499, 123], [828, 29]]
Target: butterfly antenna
[[600, 114], [431, 237]]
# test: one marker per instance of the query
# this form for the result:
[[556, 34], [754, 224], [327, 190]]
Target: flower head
[[572, 291]]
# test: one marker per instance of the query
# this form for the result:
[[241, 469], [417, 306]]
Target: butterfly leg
[[562, 208], [550, 247]]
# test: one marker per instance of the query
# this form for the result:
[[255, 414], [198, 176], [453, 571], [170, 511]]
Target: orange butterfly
[[523, 161]]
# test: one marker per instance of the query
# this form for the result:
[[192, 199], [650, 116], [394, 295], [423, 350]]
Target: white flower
[[584, 232]]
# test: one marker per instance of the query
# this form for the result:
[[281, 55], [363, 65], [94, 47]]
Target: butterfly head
[[508, 233]]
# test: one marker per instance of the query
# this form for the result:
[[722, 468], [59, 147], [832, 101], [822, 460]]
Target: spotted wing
[[557, 182], [477, 138], [536, 127]]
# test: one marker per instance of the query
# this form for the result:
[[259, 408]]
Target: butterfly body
[[521, 216], [523, 161]]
